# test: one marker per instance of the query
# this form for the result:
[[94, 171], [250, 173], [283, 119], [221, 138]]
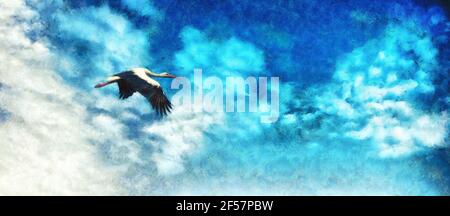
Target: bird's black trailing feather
[[158, 100]]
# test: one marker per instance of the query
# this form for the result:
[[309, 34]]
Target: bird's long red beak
[[171, 76]]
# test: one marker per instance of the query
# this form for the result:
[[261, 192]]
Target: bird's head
[[167, 75]]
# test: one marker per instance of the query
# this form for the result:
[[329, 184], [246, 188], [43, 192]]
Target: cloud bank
[[47, 147]]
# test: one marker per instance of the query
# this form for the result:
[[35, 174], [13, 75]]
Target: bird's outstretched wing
[[125, 89], [157, 99]]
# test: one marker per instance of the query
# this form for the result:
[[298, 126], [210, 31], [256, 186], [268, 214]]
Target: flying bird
[[138, 80]]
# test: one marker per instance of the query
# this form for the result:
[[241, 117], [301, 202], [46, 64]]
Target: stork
[[138, 80]]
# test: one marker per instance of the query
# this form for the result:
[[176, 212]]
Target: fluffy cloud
[[379, 86], [179, 137], [46, 146], [230, 57], [374, 95]]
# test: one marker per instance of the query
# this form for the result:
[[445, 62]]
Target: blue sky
[[363, 98]]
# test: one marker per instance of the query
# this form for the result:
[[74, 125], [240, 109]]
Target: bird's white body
[[142, 73]]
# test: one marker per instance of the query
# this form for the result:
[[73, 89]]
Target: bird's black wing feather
[[125, 89], [125, 84], [158, 100]]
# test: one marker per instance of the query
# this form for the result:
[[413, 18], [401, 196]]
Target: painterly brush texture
[[364, 98]]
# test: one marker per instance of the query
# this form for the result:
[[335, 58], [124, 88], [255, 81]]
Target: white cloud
[[178, 137], [221, 58], [430, 130], [380, 101], [46, 146]]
